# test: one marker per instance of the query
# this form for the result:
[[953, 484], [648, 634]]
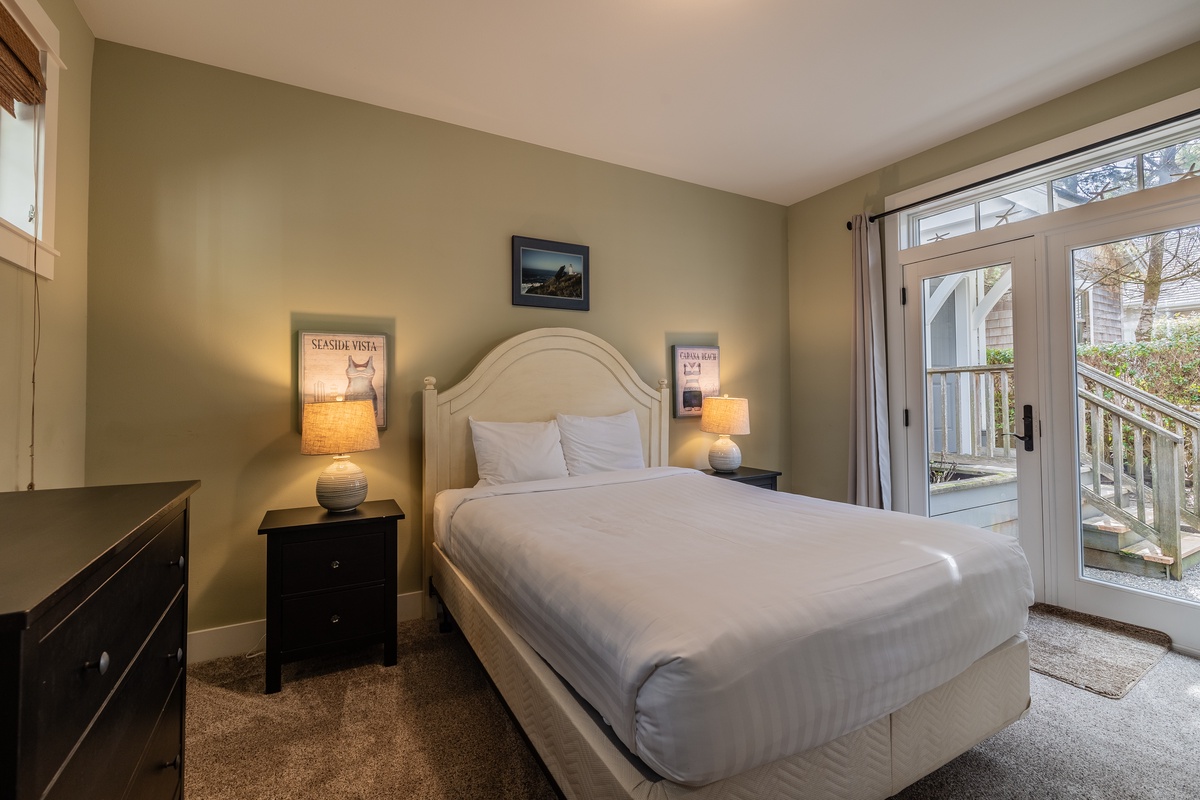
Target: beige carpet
[[429, 728], [1093, 653]]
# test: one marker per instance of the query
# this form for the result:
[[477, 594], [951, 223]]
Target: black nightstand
[[766, 478], [331, 582]]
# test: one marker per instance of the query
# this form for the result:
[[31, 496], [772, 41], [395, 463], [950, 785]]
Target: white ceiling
[[773, 99]]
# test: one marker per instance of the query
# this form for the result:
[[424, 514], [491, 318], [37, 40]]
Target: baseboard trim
[[245, 638]]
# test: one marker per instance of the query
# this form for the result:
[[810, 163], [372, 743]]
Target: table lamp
[[336, 429], [725, 416]]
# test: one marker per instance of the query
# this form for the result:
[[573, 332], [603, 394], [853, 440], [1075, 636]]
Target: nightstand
[[766, 478], [331, 582]]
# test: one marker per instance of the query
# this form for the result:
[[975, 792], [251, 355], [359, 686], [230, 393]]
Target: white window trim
[[1117, 126], [16, 246]]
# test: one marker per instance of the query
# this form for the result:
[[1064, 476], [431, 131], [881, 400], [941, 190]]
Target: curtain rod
[[1043, 162]]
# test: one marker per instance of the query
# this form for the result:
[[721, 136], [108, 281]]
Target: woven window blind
[[20, 66]]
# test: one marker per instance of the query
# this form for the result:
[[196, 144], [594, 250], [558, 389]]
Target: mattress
[[716, 627]]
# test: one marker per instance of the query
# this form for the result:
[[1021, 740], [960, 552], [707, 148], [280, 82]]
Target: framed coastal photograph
[[549, 274], [349, 366], [697, 376]]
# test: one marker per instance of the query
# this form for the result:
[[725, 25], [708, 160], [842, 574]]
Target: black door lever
[[1027, 426]]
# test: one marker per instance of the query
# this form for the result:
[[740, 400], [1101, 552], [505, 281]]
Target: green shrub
[[1168, 367]]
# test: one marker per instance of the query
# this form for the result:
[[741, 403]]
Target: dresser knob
[[334, 564], [177, 655], [335, 619], [100, 664], [178, 563], [173, 763]]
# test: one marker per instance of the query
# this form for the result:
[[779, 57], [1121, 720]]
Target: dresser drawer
[[107, 755], [335, 562], [157, 776], [105, 630], [332, 617]]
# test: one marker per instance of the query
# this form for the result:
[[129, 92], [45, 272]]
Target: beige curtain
[[870, 456]]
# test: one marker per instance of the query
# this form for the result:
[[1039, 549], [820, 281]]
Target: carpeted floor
[[432, 728], [342, 728]]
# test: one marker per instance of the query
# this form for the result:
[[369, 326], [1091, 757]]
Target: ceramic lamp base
[[724, 455], [342, 486]]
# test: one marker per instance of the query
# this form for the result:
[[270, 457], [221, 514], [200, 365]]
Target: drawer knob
[[180, 563], [335, 619], [177, 655], [334, 564], [100, 664], [173, 763]]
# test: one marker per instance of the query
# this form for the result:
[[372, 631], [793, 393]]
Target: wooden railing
[[1146, 448], [1138, 452], [987, 391]]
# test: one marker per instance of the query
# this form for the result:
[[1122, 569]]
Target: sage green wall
[[228, 212], [819, 250], [62, 363]]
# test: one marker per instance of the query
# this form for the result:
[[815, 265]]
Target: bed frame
[[531, 377]]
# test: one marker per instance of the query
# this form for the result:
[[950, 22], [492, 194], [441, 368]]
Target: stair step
[[1189, 548]]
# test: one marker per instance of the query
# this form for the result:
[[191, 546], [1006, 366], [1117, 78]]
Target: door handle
[[1027, 427]]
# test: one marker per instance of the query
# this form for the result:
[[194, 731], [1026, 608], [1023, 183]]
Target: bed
[[543, 373]]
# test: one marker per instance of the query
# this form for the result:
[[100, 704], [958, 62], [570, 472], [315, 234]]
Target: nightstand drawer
[[334, 563], [764, 482], [332, 617]]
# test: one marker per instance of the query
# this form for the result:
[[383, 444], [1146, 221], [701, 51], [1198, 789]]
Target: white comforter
[[718, 626]]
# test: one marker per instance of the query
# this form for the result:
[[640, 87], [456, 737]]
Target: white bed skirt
[[875, 761]]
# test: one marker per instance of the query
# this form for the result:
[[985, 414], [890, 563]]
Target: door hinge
[[906, 417], [903, 296]]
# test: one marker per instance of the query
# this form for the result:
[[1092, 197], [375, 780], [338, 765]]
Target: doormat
[[1093, 653]]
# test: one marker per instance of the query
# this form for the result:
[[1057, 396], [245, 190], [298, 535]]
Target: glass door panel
[[970, 397], [1137, 365]]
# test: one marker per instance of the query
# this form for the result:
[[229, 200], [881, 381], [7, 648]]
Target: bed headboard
[[531, 377]]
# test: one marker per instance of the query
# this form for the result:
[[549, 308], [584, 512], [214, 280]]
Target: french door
[[1038, 405], [973, 359]]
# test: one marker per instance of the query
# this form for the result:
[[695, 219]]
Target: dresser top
[[51, 540]]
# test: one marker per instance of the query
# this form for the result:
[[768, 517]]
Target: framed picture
[[549, 274], [697, 376], [350, 366]]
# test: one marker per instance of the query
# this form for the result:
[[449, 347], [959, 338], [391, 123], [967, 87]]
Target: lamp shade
[[338, 427], [727, 415]]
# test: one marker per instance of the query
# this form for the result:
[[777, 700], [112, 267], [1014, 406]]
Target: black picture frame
[[543, 274]]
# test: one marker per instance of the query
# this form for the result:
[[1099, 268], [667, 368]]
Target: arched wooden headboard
[[528, 378]]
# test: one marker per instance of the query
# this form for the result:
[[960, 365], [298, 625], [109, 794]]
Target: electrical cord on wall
[[35, 213]]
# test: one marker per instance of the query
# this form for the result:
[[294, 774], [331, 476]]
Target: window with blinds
[[28, 116]]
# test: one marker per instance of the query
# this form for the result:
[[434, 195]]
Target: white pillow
[[509, 452], [601, 444]]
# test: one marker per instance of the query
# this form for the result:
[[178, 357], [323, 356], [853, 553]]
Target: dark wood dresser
[[93, 633]]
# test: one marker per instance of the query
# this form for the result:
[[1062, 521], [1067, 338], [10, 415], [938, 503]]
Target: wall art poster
[[697, 376], [347, 366]]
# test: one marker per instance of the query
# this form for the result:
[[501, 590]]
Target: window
[[1162, 156], [28, 142]]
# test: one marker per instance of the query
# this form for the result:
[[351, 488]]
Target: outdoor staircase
[[1137, 477]]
